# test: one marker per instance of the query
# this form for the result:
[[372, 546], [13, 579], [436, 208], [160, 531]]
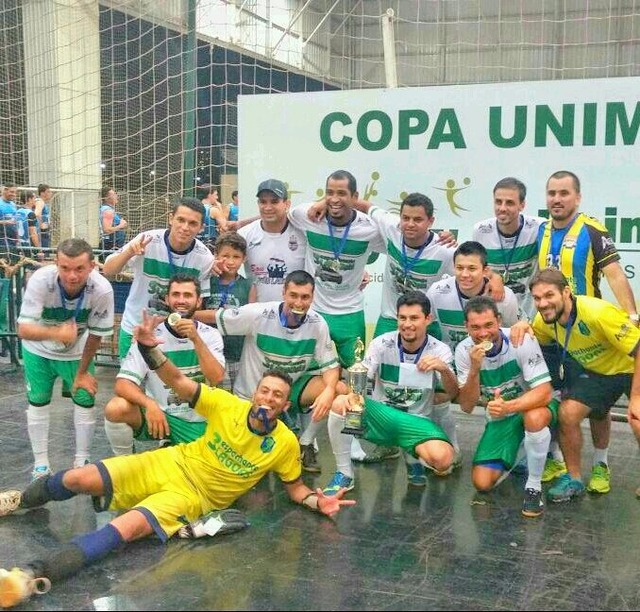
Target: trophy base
[[353, 424]]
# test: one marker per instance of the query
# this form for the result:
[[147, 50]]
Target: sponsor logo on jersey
[[584, 328]]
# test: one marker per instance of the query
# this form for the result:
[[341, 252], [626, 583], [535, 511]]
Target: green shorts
[[386, 426], [295, 395], [501, 439], [180, 430], [40, 374], [345, 331], [384, 325], [124, 343]]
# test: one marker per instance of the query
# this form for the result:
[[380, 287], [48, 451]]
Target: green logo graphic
[[451, 191]]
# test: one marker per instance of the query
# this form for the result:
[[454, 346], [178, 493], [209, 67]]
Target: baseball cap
[[275, 186]]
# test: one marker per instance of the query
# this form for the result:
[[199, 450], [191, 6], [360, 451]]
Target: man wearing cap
[[274, 246]]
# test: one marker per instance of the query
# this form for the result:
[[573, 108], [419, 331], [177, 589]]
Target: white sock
[[536, 445], [340, 444], [310, 429], [120, 436], [554, 450], [601, 455], [84, 420], [443, 416], [357, 452], [38, 427]]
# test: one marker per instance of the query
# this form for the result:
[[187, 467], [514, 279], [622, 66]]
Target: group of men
[[24, 221], [474, 301]]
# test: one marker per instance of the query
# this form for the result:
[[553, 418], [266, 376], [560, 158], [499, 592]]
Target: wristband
[[311, 502], [152, 356], [635, 319]]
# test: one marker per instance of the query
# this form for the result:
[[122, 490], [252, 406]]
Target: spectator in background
[[8, 223], [43, 214], [215, 220], [234, 209], [112, 225], [27, 221]]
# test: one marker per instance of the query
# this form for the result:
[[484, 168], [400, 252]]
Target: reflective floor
[[399, 548]]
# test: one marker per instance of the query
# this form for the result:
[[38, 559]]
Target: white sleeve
[[133, 366], [298, 215], [532, 363], [33, 300], [239, 321], [508, 308], [463, 362], [325, 354], [100, 321]]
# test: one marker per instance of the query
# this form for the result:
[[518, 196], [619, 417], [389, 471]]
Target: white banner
[[453, 144]]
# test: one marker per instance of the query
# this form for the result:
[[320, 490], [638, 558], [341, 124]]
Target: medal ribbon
[[512, 250], [170, 256], [462, 295], [409, 264], [418, 353], [572, 319], [343, 241], [80, 299]]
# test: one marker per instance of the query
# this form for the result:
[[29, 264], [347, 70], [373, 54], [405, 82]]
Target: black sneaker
[[532, 505], [309, 458]]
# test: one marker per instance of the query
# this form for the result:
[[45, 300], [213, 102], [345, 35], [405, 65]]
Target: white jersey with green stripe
[[512, 371], [404, 271], [152, 271], [447, 308], [183, 355], [44, 303], [269, 345], [338, 279], [383, 360], [517, 255]]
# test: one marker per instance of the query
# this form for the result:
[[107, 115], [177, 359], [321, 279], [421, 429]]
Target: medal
[[505, 276], [486, 346], [568, 329], [331, 265], [174, 318]]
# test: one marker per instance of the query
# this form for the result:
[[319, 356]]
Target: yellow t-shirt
[[229, 459], [602, 339]]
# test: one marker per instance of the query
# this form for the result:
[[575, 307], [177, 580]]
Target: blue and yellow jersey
[[602, 339], [580, 251], [229, 459]]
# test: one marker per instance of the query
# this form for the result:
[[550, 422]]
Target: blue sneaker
[[416, 475], [40, 471], [339, 481], [565, 489]]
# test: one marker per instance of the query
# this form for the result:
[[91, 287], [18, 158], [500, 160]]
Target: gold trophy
[[357, 381]]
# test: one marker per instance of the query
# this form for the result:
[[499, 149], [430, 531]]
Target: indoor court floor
[[437, 548]]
